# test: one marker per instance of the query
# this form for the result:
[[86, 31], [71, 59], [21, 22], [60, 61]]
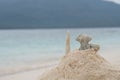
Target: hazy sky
[[115, 1]]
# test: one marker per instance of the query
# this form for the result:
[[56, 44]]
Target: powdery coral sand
[[83, 65], [27, 75]]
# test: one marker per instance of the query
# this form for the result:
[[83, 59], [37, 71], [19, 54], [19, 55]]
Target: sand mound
[[83, 65]]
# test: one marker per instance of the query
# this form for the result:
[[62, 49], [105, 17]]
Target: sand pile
[[83, 65]]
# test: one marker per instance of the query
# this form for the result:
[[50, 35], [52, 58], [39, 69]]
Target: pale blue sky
[[114, 1]]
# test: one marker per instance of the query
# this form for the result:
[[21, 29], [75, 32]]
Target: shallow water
[[27, 49]]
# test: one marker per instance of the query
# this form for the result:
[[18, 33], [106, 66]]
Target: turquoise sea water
[[30, 47]]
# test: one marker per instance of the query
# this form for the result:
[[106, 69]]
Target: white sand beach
[[36, 73], [27, 75]]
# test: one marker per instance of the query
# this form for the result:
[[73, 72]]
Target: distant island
[[34, 14]]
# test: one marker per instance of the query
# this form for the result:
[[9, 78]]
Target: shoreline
[[34, 68], [32, 74], [26, 75], [60, 28]]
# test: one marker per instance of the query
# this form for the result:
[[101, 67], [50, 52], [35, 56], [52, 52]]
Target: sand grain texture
[[83, 65]]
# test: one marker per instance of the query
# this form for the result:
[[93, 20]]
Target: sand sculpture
[[67, 42], [83, 64], [84, 41]]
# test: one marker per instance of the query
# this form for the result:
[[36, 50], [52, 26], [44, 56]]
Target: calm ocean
[[28, 49]]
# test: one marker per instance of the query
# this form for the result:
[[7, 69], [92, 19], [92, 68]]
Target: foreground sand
[[36, 74], [83, 65], [27, 75]]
